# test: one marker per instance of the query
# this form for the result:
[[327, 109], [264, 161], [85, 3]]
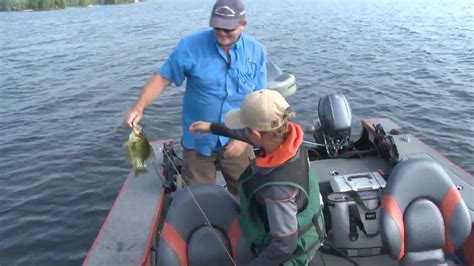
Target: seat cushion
[[424, 227], [204, 239]]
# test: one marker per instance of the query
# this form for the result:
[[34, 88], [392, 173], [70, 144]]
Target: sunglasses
[[226, 31]]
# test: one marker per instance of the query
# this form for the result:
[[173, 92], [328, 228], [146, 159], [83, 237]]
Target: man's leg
[[232, 168], [197, 168]]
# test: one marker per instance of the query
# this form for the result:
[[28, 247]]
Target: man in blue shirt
[[221, 66]]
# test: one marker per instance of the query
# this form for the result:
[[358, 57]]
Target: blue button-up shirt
[[213, 86]]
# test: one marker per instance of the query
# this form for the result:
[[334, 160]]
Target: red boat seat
[[188, 238], [424, 217]]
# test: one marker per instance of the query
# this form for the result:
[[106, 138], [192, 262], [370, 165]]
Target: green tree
[[61, 3], [84, 3], [11, 5], [46, 4], [34, 4], [17, 5]]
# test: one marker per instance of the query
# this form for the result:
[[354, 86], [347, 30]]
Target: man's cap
[[226, 14], [263, 110]]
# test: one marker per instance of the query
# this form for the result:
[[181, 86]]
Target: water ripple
[[68, 77]]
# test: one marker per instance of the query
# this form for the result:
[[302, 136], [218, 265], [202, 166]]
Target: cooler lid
[[357, 182]]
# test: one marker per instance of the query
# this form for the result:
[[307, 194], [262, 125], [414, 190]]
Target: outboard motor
[[333, 128], [284, 83]]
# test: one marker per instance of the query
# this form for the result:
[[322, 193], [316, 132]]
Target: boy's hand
[[200, 127]]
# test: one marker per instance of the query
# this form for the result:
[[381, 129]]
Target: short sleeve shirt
[[213, 87]]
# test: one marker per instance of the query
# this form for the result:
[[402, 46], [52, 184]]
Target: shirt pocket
[[246, 77]]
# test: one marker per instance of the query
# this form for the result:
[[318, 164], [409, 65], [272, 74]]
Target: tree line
[[17, 5]]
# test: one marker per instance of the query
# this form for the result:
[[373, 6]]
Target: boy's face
[[259, 138]]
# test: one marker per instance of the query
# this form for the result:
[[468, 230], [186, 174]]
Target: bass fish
[[139, 149]]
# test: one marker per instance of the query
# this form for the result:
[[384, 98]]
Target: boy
[[279, 196]]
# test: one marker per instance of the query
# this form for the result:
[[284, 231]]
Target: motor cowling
[[333, 128], [284, 83]]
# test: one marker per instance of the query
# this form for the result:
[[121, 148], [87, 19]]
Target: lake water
[[68, 76]]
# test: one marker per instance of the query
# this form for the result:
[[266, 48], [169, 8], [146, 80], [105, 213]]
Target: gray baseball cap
[[226, 14]]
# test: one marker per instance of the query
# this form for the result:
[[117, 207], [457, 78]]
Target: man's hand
[[133, 117], [235, 148], [200, 127], [153, 88]]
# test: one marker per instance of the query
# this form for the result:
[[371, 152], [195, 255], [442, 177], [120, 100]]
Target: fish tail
[[139, 171]]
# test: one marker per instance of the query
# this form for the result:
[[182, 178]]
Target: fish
[[139, 150]]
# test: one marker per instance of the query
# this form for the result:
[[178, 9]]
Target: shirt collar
[[286, 151]]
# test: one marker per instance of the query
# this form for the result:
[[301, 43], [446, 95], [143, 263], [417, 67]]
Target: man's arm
[[153, 88]]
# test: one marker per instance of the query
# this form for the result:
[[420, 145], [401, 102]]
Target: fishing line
[[162, 180], [313, 143]]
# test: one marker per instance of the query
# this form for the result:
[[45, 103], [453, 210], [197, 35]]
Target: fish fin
[[151, 157], [126, 144], [128, 157]]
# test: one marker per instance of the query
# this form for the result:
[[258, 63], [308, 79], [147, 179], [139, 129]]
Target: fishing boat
[[387, 199]]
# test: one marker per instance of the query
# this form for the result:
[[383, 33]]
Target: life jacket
[[296, 173]]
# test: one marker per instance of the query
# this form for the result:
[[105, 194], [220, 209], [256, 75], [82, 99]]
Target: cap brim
[[224, 23], [232, 120]]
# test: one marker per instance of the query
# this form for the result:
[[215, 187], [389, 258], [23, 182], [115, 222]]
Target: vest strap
[[314, 222]]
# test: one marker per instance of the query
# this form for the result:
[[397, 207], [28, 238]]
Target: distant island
[[36, 5]]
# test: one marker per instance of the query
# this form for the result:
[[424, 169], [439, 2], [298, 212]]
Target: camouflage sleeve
[[281, 209]]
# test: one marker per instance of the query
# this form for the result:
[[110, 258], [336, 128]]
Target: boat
[[388, 199]]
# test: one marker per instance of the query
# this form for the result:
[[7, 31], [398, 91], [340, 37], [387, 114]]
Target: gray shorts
[[201, 169]]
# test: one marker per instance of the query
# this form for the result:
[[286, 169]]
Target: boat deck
[[130, 228], [326, 259]]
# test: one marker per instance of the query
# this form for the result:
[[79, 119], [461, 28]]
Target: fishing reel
[[332, 129]]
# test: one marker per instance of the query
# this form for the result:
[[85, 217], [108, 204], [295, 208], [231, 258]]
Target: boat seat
[[424, 218], [187, 238]]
